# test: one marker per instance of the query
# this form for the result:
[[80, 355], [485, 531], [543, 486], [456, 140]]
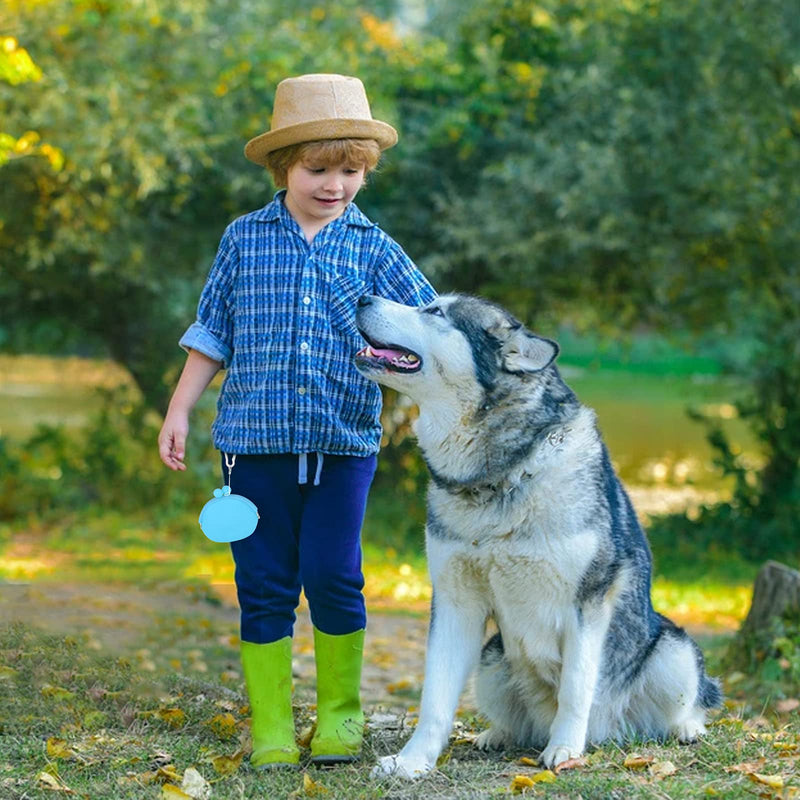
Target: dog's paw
[[401, 767], [491, 739], [690, 730], [555, 754]]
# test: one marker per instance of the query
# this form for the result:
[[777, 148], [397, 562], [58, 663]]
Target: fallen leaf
[[635, 761], [545, 776], [398, 686], [520, 783], [168, 774], [58, 748], [174, 717], [789, 704], [747, 766], [306, 735], [312, 788], [786, 747], [49, 781], [172, 792], [570, 763], [56, 692], [662, 769], [227, 765], [773, 781], [223, 725], [195, 785], [528, 762]]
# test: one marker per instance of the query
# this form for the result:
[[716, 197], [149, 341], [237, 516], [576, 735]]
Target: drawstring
[[302, 469]]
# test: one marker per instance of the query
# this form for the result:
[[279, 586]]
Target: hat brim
[[257, 149]]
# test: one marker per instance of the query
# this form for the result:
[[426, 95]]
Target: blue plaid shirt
[[280, 314]]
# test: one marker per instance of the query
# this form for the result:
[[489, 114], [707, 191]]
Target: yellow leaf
[[171, 792], [398, 686], [545, 776], [306, 735], [58, 748], [635, 761], [227, 765], [168, 774], [662, 769], [528, 762], [773, 781], [311, 788], [7, 673], [56, 692], [174, 717], [520, 783], [223, 725], [785, 746]]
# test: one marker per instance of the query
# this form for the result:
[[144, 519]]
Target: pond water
[[642, 415]]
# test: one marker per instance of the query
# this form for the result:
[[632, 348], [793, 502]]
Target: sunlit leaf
[[636, 761], [195, 785], [773, 781], [227, 765], [662, 769], [171, 792], [58, 748], [223, 725], [520, 783]]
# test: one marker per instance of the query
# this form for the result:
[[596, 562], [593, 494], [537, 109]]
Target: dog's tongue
[[386, 353]]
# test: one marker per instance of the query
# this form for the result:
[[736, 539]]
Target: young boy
[[278, 312]]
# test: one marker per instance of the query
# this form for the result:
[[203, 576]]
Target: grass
[[99, 726]]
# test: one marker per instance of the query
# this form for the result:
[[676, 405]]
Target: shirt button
[[306, 300], [304, 345], [301, 390]]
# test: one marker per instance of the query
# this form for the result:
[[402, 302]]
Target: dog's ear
[[523, 351]]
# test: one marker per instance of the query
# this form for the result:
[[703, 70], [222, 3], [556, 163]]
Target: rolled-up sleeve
[[212, 331], [399, 279]]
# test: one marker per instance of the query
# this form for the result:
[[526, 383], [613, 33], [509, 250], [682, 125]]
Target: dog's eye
[[435, 310]]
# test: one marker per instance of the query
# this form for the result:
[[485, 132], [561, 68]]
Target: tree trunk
[[776, 592]]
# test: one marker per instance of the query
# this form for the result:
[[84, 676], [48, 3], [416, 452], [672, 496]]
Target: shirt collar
[[276, 210]]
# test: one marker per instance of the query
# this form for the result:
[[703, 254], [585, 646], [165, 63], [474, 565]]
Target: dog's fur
[[529, 525]]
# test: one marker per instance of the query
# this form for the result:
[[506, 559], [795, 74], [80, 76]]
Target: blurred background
[[624, 176]]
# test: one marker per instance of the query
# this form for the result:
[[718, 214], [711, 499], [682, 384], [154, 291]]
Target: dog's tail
[[709, 693]]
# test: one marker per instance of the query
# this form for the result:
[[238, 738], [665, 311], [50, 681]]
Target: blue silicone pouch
[[228, 517]]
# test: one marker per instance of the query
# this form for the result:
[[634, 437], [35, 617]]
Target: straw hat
[[313, 107]]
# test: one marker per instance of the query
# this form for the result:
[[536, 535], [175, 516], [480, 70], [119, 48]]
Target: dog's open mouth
[[388, 356]]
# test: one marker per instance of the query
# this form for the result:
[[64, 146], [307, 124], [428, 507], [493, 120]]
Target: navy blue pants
[[308, 536]]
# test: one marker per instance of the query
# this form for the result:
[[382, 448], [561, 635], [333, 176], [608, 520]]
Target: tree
[[151, 105], [660, 185]]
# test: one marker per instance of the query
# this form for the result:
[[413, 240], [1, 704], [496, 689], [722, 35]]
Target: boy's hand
[[172, 441]]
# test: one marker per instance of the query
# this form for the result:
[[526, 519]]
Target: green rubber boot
[[268, 675], [340, 720]]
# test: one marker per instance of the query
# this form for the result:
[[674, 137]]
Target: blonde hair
[[327, 152]]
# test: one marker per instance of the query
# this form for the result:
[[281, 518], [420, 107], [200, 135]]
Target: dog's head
[[456, 343]]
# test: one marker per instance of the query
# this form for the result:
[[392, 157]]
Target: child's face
[[318, 193]]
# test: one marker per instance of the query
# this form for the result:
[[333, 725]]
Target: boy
[[278, 311]]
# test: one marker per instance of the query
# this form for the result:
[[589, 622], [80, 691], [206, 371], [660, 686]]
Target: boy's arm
[[198, 372]]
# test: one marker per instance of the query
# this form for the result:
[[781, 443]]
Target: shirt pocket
[[345, 293]]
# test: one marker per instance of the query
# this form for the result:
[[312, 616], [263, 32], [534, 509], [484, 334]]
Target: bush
[[112, 462]]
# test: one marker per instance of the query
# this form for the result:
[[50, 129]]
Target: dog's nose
[[365, 300]]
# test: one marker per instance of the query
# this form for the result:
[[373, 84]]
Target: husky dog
[[527, 524]]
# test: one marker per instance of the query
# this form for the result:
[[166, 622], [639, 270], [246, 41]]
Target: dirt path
[[175, 623]]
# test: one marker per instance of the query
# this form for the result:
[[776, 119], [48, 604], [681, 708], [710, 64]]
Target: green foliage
[[770, 656], [112, 462]]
